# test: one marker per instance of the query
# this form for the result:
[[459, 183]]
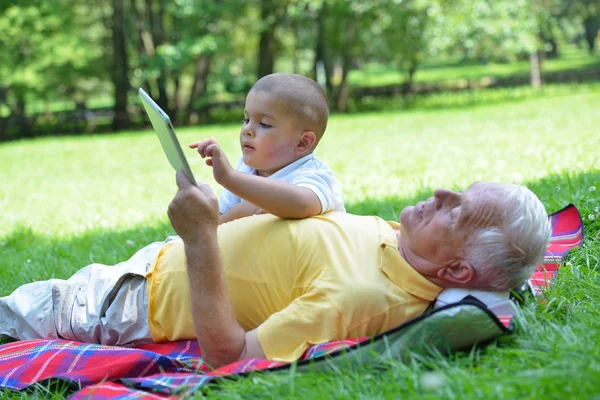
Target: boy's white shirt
[[308, 172]]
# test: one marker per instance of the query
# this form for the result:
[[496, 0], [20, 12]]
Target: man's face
[[436, 230]]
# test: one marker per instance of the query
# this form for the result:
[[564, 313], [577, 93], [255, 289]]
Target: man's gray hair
[[505, 256]]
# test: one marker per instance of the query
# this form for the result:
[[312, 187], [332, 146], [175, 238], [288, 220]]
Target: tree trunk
[[176, 114], [536, 74], [4, 121], [321, 52], [23, 124], [156, 18], [344, 88], [347, 59], [198, 87], [591, 26], [266, 45], [143, 43], [407, 86], [120, 68], [553, 52], [295, 58]]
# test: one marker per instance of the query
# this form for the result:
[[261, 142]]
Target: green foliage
[[60, 55], [48, 48], [500, 30]]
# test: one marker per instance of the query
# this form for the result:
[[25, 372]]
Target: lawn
[[67, 202], [451, 71]]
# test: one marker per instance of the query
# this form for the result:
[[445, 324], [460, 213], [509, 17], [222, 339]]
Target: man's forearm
[[279, 198], [220, 337]]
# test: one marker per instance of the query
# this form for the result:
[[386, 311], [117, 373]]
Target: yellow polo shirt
[[302, 282]]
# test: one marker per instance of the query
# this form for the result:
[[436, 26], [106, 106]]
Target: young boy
[[285, 116]]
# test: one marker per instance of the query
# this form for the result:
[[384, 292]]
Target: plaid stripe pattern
[[152, 371], [175, 369], [567, 233]]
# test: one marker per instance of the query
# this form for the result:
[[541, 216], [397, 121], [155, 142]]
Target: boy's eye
[[262, 124], [245, 121]]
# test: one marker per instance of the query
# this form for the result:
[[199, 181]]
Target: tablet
[[166, 134]]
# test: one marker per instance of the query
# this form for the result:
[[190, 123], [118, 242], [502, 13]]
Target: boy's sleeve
[[325, 185], [308, 320], [227, 199]]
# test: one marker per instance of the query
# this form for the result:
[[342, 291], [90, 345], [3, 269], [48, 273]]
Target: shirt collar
[[398, 270], [288, 168]]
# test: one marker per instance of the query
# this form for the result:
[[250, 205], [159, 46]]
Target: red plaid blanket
[[167, 369], [170, 370], [567, 233]]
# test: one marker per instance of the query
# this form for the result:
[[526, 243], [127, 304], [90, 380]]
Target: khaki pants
[[99, 304]]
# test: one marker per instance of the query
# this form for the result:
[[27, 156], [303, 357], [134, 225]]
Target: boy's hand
[[217, 158], [202, 145]]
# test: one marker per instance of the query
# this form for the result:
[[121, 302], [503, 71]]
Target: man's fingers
[[182, 180], [206, 190], [184, 183]]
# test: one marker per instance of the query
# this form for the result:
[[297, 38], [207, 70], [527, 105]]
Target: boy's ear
[[306, 142]]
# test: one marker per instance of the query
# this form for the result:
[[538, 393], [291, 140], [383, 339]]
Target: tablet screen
[[166, 134]]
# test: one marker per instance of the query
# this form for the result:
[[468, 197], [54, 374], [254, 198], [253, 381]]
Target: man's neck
[[422, 266]]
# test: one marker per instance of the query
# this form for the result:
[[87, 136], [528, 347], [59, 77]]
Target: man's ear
[[306, 142], [457, 272]]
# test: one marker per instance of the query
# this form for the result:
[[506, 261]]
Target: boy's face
[[269, 134]]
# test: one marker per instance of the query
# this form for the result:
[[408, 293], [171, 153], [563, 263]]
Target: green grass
[[67, 202], [454, 71]]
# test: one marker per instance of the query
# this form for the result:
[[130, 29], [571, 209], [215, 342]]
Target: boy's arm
[[240, 210], [279, 198]]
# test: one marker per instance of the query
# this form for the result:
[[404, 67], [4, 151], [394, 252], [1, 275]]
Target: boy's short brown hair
[[301, 96]]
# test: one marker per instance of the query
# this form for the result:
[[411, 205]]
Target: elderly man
[[265, 287]]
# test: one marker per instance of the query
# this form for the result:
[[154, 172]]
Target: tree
[[502, 31], [48, 49], [120, 68], [588, 13], [409, 35], [348, 27], [321, 59], [272, 12], [179, 39]]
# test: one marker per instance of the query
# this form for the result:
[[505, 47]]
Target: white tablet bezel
[[166, 134]]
